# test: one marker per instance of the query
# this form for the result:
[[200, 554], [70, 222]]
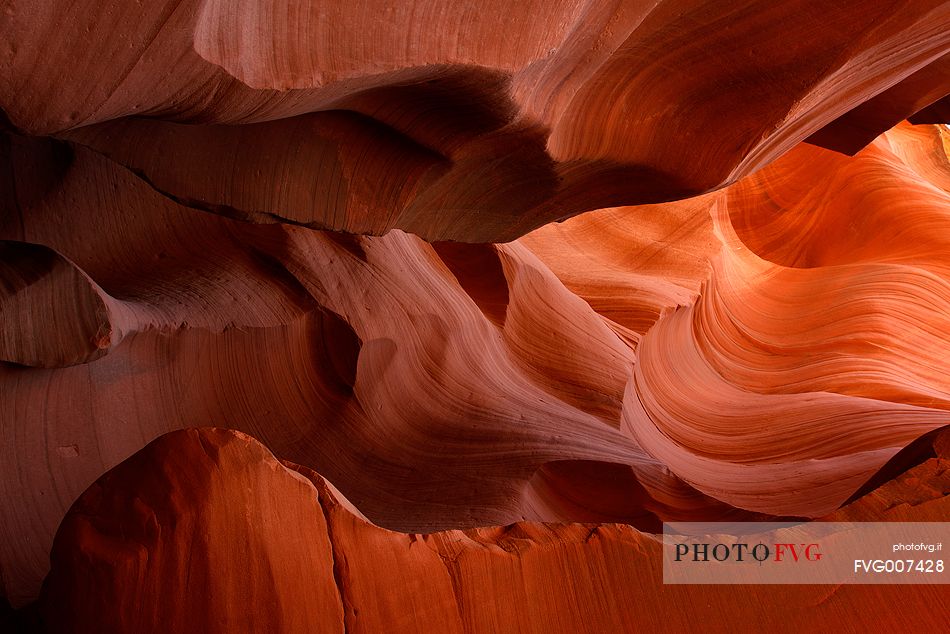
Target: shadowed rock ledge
[[204, 530], [522, 280]]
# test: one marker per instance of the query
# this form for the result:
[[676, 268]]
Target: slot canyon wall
[[424, 316]]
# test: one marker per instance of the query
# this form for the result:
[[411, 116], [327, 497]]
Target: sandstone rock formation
[[453, 122], [273, 547], [329, 227]]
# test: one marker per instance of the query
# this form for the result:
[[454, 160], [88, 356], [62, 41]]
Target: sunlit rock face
[[211, 509], [324, 229]]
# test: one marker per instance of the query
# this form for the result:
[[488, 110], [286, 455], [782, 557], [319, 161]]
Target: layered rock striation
[[330, 227], [267, 546]]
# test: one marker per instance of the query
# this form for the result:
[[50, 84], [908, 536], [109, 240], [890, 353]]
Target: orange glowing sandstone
[[569, 268]]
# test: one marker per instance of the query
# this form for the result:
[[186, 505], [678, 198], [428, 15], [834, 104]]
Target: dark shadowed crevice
[[904, 460], [480, 274]]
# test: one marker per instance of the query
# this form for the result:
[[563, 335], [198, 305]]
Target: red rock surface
[[265, 549], [456, 122], [916, 95], [328, 225]]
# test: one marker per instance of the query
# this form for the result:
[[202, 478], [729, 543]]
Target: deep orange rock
[[374, 358], [331, 226], [437, 121], [197, 504], [173, 507]]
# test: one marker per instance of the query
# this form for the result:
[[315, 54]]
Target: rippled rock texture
[[210, 510], [328, 227]]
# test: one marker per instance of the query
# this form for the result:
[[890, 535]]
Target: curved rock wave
[[354, 231], [276, 547], [461, 136], [454, 385]]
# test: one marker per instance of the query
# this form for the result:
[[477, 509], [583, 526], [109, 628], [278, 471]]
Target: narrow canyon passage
[[399, 316]]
